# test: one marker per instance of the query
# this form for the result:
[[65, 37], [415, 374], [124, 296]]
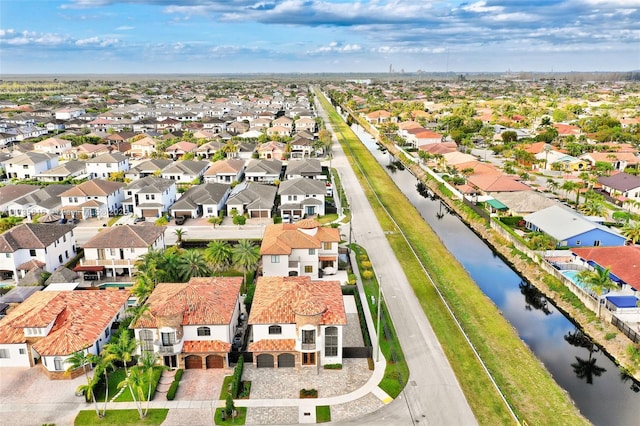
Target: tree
[[147, 362], [593, 208], [552, 184], [631, 231], [569, 186], [179, 233], [218, 254], [509, 136], [192, 264], [215, 220], [82, 359], [103, 365], [134, 381], [597, 281], [239, 219], [245, 257], [121, 349]]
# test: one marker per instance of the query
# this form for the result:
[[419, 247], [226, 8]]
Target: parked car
[[139, 219], [62, 221], [237, 343], [286, 218], [180, 220]]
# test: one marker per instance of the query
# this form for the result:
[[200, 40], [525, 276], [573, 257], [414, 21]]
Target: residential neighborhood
[[211, 234]]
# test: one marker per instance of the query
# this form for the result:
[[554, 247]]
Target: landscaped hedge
[[171, 393], [236, 381], [511, 220]]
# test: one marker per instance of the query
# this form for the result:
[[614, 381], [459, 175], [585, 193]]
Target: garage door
[[215, 361], [192, 361], [179, 213], [286, 360], [264, 361], [149, 212], [259, 213]]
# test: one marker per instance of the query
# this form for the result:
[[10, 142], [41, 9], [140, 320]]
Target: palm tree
[[122, 348], [245, 257], [218, 254], [135, 380], [169, 264], [598, 281], [593, 208], [82, 359], [103, 365], [552, 184], [179, 233], [568, 186], [147, 362], [192, 264], [631, 231]]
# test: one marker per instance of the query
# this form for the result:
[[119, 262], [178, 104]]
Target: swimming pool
[[115, 285], [572, 276]]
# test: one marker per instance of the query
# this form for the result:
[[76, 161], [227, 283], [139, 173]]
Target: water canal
[[592, 380]]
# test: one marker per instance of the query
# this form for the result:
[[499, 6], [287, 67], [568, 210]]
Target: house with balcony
[[296, 322], [50, 326], [93, 198], [114, 251], [149, 197], [29, 164], [302, 147], [302, 248], [32, 245], [302, 197], [102, 166], [191, 325]]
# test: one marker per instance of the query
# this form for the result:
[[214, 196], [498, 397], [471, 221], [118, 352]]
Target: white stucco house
[[296, 322], [302, 196], [103, 165], [29, 164], [149, 197], [93, 198], [191, 325], [31, 245]]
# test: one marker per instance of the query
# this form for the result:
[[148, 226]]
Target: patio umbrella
[[49, 218]]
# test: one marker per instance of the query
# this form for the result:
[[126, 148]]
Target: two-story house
[[50, 326], [149, 196], [225, 171], [143, 148], [103, 165], [296, 322], [272, 150], [52, 145], [178, 149], [93, 198], [30, 245], [45, 200], [303, 248], [29, 164], [305, 168], [191, 325], [114, 251], [263, 171], [301, 196], [70, 169]]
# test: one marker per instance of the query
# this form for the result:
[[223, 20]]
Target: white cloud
[[96, 42], [125, 28]]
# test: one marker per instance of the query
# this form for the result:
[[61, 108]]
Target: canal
[[594, 382]]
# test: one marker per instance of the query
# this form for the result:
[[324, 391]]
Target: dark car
[[180, 220], [62, 221], [138, 219]]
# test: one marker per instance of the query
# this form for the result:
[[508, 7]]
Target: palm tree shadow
[[585, 369]]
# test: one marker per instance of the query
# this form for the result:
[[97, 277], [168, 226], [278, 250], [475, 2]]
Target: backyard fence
[[626, 329]]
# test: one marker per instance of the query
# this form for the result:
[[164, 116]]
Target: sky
[[317, 36]]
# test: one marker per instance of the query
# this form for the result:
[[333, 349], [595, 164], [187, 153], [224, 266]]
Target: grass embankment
[[527, 385]]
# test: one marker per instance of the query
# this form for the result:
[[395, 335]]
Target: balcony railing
[[107, 262], [161, 348]]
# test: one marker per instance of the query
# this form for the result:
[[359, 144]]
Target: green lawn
[[323, 414], [225, 388], [238, 420], [118, 376], [529, 388], [155, 416]]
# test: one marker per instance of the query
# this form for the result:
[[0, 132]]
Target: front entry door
[[308, 358]]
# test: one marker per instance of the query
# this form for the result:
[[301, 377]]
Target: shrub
[[367, 275], [229, 406], [333, 366], [308, 393], [366, 264], [171, 393], [610, 336], [352, 279], [237, 378], [277, 219], [239, 220]]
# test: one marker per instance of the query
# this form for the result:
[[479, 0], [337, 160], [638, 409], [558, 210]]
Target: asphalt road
[[433, 394]]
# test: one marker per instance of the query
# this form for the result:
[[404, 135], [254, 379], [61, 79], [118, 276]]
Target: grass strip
[[237, 420], [528, 387], [155, 416], [323, 414]]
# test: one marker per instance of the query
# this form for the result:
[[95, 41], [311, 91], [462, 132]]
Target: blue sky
[[249, 36]]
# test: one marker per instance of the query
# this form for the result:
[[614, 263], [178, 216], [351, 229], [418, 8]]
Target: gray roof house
[[255, 199], [520, 203], [149, 197], [304, 168], [621, 185], [45, 200], [266, 171], [301, 196], [147, 168], [70, 169], [185, 171], [205, 200], [571, 229]]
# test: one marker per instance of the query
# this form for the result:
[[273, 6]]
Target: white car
[[286, 218]]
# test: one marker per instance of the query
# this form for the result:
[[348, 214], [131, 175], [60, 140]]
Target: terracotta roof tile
[[624, 261], [126, 236], [78, 317], [278, 299], [282, 238], [205, 346], [272, 345], [201, 301]]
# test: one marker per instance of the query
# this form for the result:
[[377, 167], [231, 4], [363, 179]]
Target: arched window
[[204, 331], [331, 341], [275, 329]]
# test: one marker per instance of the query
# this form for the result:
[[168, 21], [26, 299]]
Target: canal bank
[[530, 271]]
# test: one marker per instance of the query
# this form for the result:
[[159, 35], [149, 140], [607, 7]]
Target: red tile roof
[[78, 317], [205, 346], [623, 261], [272, 345], [284, 237], [277, 300], [201, 301]]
